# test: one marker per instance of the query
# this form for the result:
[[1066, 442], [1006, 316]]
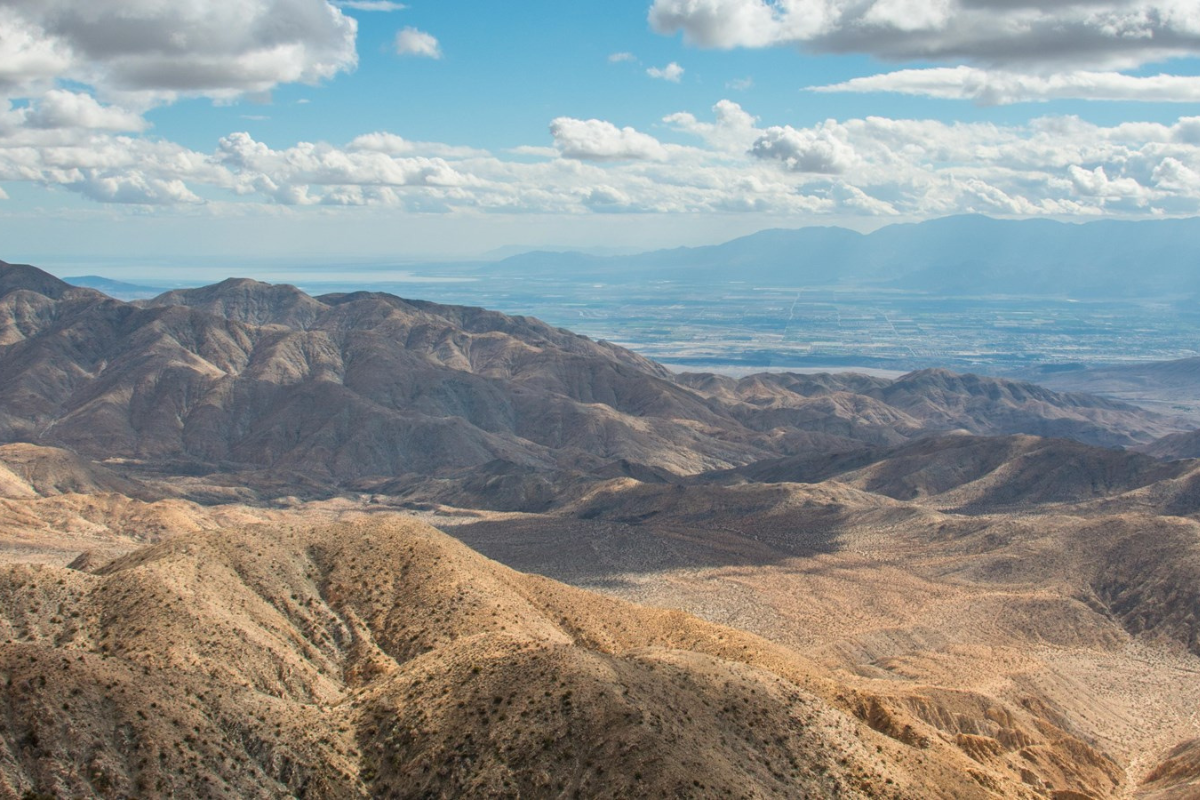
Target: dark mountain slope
[[1158, 377], [880, 411], [1175, 445], [17, 277], [372, 385], [1169, 387], [246, 301], [289, 392], [974, 472]]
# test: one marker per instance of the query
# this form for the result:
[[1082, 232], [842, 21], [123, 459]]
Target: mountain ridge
[[283, 389], [1019, 257], [554, 690]]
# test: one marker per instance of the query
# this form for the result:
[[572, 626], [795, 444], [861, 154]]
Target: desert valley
[[258, 543]]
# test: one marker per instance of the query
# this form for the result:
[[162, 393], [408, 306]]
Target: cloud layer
[[1000, 51], [155, 51], [1114, 34], [1000, 87], [723, 161], [76, 78]]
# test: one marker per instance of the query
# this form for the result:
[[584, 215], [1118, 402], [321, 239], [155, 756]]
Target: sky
[[166, 132]]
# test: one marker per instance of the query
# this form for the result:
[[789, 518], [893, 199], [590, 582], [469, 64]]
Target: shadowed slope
[[259, 377], [1177, 777], [291, 392], [1083, 620], [1175, 445], [974, 473], [46, 471], [1170, 387], [882, 412], [23, 277]]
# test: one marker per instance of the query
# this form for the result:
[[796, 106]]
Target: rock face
[[291, 392]]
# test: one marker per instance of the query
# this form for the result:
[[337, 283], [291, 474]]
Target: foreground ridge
[[383, 658]]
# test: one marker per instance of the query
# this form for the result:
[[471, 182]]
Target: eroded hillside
[[383, 658], [283, 393]]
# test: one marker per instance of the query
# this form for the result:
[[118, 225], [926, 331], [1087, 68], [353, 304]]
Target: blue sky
[[280, 128]]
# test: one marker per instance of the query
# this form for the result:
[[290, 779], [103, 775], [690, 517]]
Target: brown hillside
[[383, 658], [1080, 620], [1175, 445]]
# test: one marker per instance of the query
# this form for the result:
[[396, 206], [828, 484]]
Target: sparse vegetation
[[907, 615]]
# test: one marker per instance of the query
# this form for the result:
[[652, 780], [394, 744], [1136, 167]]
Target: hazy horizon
[[191, 268]]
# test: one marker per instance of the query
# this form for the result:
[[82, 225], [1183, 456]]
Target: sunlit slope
[[383, 658]]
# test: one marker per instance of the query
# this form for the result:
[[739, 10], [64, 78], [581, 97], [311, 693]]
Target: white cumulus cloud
[[733, 129], [1089, 34], [599, 140], [135, 188], [413, 42], [159, 50], [671, 72], [821, 150], [390, 143], [62, 109]]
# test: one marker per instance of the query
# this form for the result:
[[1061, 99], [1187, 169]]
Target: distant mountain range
[[963, 255], [296, 394]]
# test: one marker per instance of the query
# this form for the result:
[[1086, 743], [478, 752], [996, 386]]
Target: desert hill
[[382, 658], [376, 385], [883, 411], [1082, 619], [23, 277], [30, 471], [955, 656], [974, 472], [1175, 445]]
